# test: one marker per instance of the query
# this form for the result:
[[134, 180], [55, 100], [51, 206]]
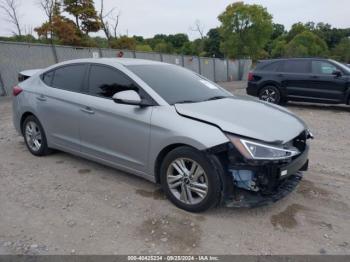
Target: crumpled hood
[[247, 117]]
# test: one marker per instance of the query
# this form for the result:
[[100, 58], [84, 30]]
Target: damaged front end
[[250, 180]]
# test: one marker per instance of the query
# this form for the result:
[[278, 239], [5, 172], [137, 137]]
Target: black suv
[[300, 79]]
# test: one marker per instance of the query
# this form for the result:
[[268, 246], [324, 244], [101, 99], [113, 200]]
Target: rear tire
[[271, 94], [190, 180], [34, 136]]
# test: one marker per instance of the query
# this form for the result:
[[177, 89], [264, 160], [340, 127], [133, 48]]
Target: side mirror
[[337, 73], [128, 97]]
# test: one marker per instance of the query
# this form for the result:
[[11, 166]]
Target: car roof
[[291, 58], [112, 61]]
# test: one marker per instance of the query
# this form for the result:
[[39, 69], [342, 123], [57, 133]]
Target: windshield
[[343, 67], [178, 85]]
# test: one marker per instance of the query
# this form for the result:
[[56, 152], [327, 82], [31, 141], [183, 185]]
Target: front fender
[[169, 128]]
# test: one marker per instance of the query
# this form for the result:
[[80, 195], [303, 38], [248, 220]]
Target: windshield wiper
[[215, 98], [185, 102]]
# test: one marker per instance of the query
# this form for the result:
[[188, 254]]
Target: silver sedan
[[166, 124]]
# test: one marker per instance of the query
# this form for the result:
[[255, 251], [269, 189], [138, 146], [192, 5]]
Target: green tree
[[163, 47], [143, 48], [295, 30], [187, 49], [85, 14], [198, 47], [277, 31], [342, 51], [100, 41], [212, 43], [139, 39], [278, 47], [306, 44], [177, 40], [331, 35], [62, 30], [245, 30], [124, 42]]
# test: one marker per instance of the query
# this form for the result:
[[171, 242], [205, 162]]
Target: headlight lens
[[258, 151]]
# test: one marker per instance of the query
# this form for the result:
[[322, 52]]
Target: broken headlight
[[259, 151]]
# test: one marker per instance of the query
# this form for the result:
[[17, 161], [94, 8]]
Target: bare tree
[[109, 21], [48, 7], [104, 22], [28, 30], [10, 8], [115, 18], [198, 27]]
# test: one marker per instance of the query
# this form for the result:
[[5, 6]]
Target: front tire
[[34, 136], [270, 94], [190, 180]]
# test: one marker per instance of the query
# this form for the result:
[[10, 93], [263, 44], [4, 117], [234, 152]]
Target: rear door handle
[[87, 110], [41, 98], [314, 77], [280, 75]]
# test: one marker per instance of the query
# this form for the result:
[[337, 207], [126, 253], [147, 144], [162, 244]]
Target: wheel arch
[[24, 117], [212, 156], [280, 88], [270, 83], [162, 154]]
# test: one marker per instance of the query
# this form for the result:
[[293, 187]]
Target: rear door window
[[296, 66], [271, 67], [322, 68], [105, 81], [69, 77]]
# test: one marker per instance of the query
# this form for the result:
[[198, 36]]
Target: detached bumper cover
[[244, 198]]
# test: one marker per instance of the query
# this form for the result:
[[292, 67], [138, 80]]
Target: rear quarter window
[[47, 78]]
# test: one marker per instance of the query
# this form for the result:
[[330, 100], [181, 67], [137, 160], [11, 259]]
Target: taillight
[[250, 76], [16, 90]]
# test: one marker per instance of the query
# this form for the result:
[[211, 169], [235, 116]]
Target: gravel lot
[[62, 204]]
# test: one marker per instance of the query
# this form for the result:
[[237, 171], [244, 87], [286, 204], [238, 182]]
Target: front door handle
[[314, 77], [41, 98], [87, 110]]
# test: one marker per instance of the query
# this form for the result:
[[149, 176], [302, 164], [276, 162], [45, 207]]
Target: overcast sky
[[149, 17]]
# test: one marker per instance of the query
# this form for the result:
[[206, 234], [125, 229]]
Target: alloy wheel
[[187, 181], [269, 95], [33, 136]]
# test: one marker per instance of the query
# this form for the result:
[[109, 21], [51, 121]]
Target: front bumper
[[248, 199], [273, 182]]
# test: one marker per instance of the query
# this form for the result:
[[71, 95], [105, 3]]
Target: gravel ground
[[62, 204]]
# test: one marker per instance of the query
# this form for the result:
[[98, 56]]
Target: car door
[[114, 133], [59, 104], [294, 75], [324, 85]]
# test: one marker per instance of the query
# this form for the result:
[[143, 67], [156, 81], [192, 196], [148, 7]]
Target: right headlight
[[260, 151]]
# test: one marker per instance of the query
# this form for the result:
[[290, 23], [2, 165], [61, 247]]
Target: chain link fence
[[16, 57]]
